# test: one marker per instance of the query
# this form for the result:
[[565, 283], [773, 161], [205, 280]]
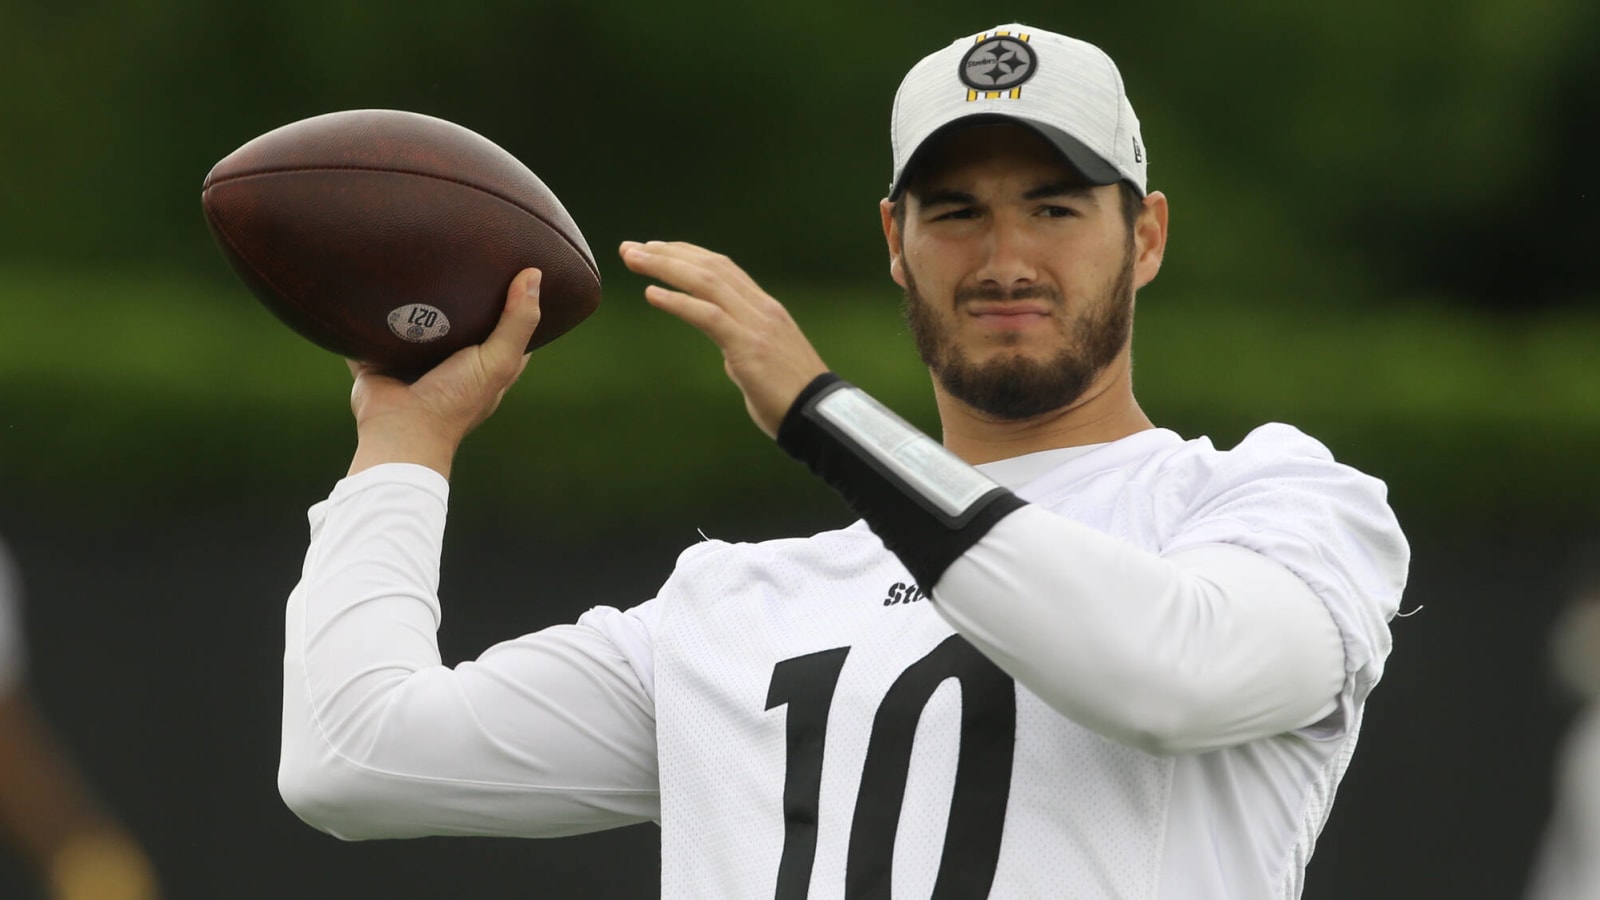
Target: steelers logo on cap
[[999, 63]]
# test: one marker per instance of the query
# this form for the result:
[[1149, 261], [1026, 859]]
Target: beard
[[1016, 387]]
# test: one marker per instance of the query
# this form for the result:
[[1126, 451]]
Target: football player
[[49, 816], [1567, 866], [1064, 652]]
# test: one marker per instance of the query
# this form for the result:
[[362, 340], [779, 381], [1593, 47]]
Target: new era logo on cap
[[1067, 90]]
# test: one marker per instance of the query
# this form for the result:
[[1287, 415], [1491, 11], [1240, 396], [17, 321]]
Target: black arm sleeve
[[927, 536]]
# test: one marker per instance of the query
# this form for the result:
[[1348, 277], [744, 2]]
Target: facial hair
[[1015, 387]]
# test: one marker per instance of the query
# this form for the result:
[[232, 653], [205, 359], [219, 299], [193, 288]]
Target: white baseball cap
[[1067, 90]]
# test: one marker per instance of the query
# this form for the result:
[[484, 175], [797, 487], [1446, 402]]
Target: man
[[77, 850], [1567, 865], [1109, 663]]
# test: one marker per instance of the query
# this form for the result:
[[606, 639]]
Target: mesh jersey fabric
[[1083, 816]]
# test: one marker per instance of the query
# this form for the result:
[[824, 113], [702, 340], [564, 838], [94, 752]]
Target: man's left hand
[[763, 350]]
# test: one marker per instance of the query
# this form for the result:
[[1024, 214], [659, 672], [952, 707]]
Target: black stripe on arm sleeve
[[926, 504]]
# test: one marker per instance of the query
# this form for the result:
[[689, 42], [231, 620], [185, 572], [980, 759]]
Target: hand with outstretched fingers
[[763, 350], [425, 421]]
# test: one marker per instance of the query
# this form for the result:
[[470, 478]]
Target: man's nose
[[1008, 259]]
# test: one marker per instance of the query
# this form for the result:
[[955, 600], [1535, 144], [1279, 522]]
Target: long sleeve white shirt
[[1210, 632]]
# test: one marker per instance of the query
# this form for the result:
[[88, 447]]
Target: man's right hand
[[424, 422]]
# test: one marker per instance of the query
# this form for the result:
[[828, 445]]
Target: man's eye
[[965, 212], [1057, 212]]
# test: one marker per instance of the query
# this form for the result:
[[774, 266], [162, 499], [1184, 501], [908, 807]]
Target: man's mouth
[[1009, 315]]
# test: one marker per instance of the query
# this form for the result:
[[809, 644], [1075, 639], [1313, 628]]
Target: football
[[391, 237]]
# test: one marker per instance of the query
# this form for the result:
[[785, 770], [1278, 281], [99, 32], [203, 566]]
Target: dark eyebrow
[[1076, 189], [1070, 189], [946, 197]]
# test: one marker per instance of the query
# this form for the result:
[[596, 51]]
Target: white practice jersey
[[822, 731], [1568, 863]]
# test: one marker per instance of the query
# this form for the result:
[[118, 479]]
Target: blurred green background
[[1382, 233]]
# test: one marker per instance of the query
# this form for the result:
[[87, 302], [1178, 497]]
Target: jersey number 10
[[982, 783]]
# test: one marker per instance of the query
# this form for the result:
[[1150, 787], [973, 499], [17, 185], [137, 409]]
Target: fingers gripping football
[[764, 352], [425, 421]]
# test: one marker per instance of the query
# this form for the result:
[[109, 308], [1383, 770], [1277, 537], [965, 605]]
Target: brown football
[[391, 237]]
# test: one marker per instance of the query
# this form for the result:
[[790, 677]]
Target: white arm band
[[1211, 646]]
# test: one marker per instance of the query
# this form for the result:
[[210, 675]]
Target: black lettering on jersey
[[805, 686], [899, 592]]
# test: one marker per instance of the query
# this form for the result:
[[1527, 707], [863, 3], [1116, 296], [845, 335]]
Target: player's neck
[[1106, 412]]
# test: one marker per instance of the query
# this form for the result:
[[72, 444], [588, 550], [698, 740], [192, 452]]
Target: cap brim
[[1094, 169]]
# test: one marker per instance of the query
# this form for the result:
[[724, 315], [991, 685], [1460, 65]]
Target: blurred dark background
[[1382, 233]]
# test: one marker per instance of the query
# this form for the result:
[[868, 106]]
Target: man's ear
[[1149, 239], [892, 236]]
